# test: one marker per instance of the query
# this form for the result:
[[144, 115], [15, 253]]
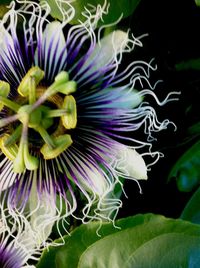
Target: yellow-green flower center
[[30, 121]]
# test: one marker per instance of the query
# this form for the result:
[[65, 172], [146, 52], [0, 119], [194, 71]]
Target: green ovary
[[35, 115]]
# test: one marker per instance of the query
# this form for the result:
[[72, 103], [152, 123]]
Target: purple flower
[[69, 113]]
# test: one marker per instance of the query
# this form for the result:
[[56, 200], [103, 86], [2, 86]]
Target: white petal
[[7, 177], [44, 211], [53, 47], [105, 52], [90, 178], [109, 47], [130, 99], [126, 98], [131, 163], [6, 47]]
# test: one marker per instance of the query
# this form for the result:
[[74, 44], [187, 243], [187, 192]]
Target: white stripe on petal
[[54, 49], [6, 48], [88, 176]]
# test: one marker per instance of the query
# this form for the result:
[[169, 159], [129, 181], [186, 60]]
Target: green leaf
[[168, 250], [193, 64], [186, 169], [191, 211], [197, 2], [3, 7], [150, 244], [79, 240], [143, 241], [5, 2], [116, 9], [194, 129]]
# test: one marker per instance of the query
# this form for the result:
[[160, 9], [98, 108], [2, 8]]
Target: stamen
[[35, 114], [61, 85], [23, 158], [70, 119], [46, 137], [36, 74], [61, 142], [32, 90], [14, 136], [4, 92], [56, 113], [9, 150], [8, 103]]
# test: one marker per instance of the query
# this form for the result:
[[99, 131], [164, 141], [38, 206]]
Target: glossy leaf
[[143, 241], [191, 211], [79, 240], [186, 169], [116, 9]]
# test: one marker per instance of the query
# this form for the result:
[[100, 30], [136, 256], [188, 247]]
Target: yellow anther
[[9, 151], [61, 143], [69, 120], [34, 73], [68, 88], [62, 77], [4, 91]]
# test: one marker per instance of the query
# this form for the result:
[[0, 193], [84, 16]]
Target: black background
[[173, 28]]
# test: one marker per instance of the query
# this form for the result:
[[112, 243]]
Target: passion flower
[[68, 111]]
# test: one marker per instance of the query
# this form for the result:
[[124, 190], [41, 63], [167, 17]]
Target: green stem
[[56, 113], [18, 163], [32, 90], [10, 104], [45, 135], [15, 136]]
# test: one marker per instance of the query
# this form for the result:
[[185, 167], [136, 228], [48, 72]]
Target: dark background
[[173, 28]]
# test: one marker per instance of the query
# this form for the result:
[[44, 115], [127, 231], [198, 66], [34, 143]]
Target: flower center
[[39, 120]]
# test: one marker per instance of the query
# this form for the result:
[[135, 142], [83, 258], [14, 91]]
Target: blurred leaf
[[5, 2], [3, 8], [191, 211], [197, 2], [116, 9], [186, 170], [143, 241], [194, 129], [193, 64]]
